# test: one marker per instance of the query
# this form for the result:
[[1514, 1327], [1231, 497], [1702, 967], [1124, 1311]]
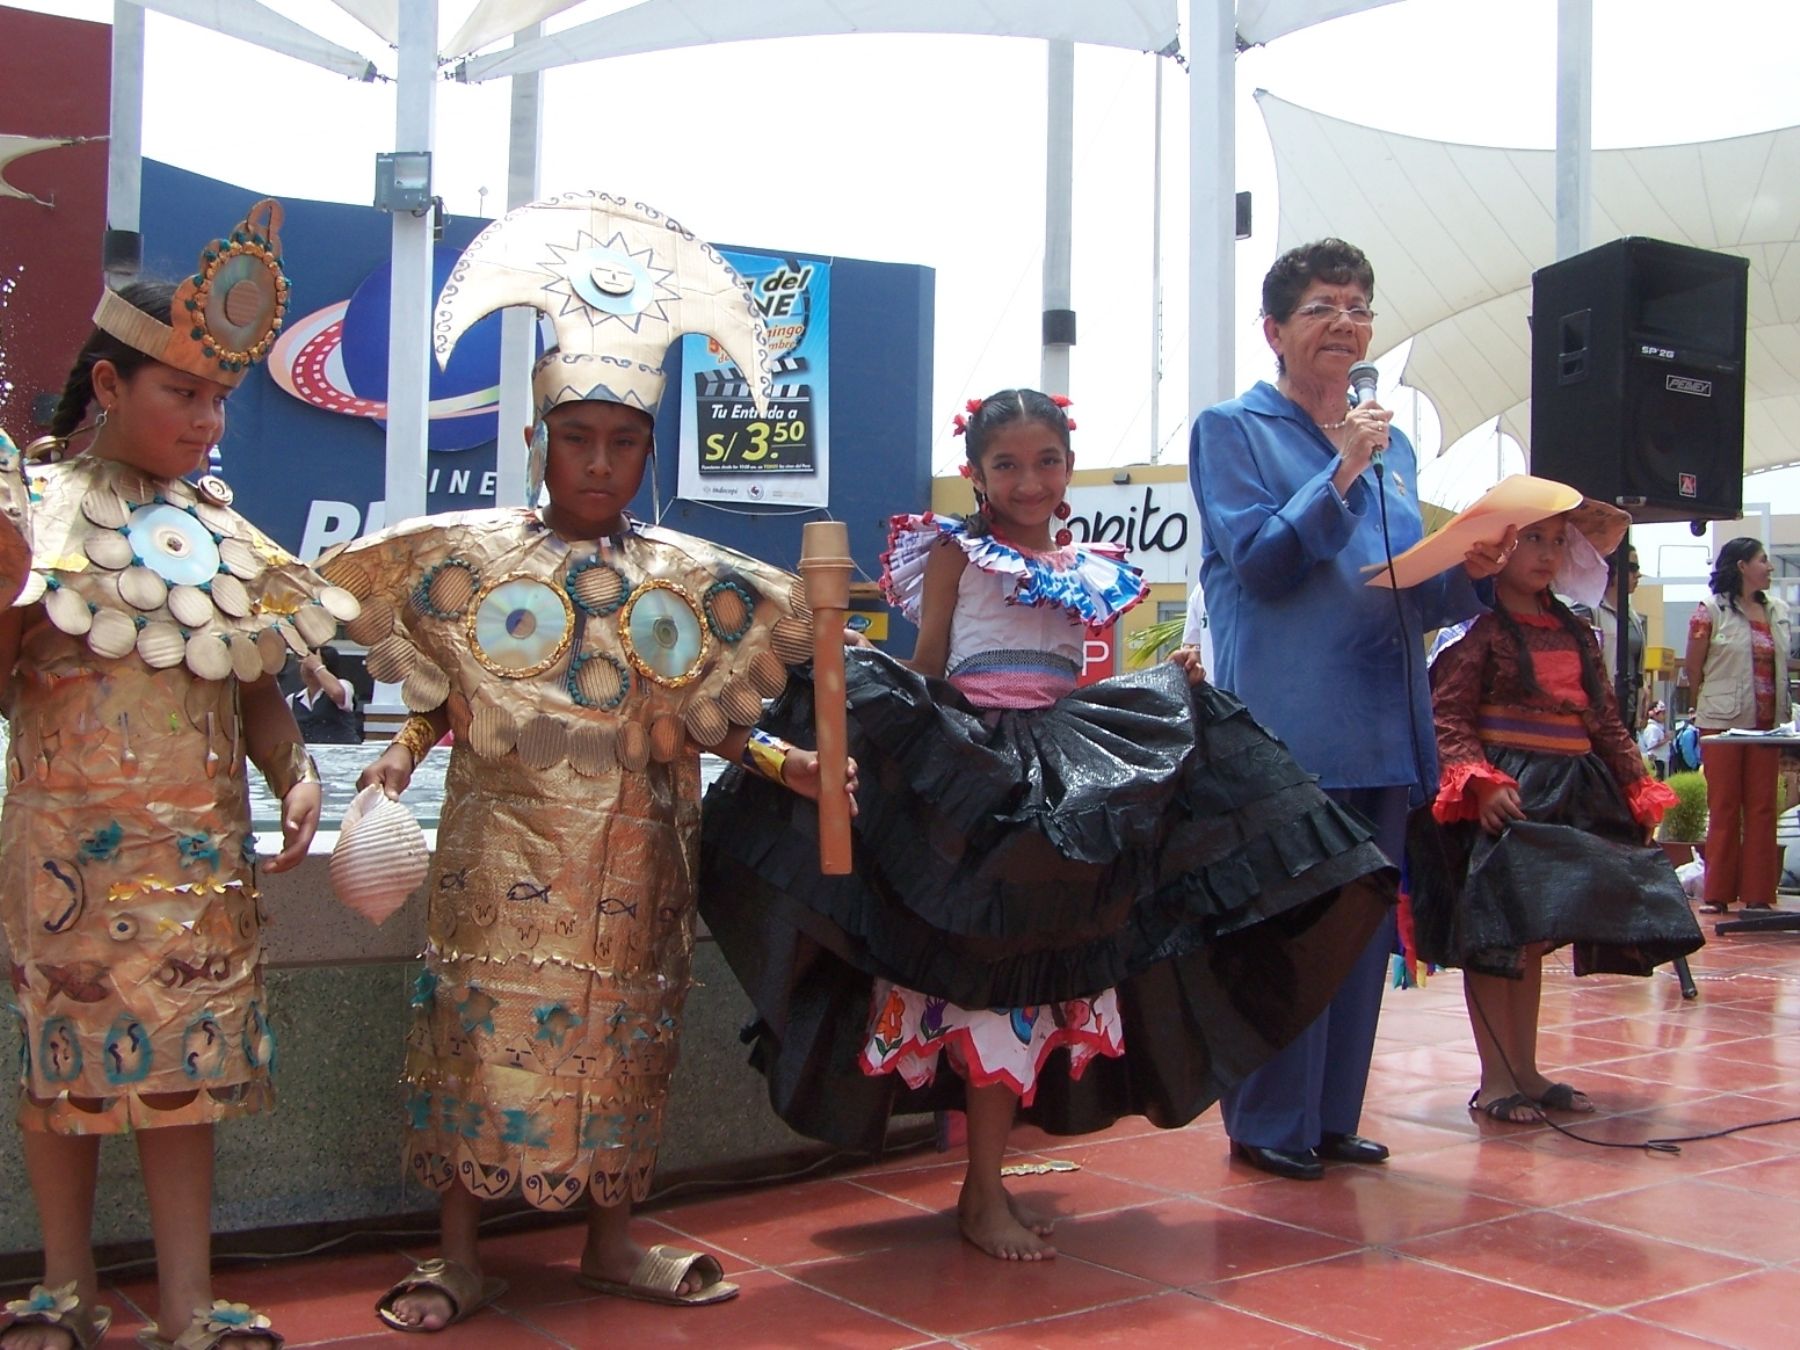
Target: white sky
[[930, 150]]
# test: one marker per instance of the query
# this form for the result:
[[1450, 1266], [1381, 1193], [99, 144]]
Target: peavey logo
[[1684, 384]]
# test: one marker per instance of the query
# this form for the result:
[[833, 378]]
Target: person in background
[[1605, 619], [1654, 739], [1294, 515], [1737, 659], [325, 707]]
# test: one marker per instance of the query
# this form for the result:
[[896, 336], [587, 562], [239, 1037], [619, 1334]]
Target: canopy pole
[[1059, 216], [1212, 203], [1574, 126], [1156, 288], [518, 324], [411, 294], [123, 253]]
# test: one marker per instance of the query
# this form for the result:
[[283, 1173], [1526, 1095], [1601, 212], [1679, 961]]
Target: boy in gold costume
[[583, 660]]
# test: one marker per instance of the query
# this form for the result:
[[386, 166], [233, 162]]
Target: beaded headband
[[225, 316]]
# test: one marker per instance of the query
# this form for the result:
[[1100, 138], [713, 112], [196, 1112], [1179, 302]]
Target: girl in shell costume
[[140, 652], [581, 659]]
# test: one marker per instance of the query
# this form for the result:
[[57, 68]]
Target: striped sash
[[1532, 729]]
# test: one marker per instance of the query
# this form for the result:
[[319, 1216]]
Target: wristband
[[417, 736], [765, 755], [289, 765]]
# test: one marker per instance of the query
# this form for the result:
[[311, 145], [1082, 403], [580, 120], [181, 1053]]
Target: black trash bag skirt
[[1576, 871], [1137, 835]]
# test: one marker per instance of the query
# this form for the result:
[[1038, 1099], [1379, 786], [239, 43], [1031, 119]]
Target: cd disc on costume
[[161, 645], [706, 722], [392, 659], [112, 634], [380, 857], [374, 623], [240, 559], [191, 606], [591, 752], [340, 604], [69, 611], [767, 674], [229, 595], [425, 688], [633, 747], [105, 507], [272, 648], [208, 657], [246, 661], [174, 545], [520, 626], [142, 588], [543, 742], [108, 549], [316, 624], [663, 634], [492, 731], [742, 704], [666, 738], [792, 640]]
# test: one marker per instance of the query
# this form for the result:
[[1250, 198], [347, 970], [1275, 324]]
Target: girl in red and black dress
[[1537, 835], [1737, 661]]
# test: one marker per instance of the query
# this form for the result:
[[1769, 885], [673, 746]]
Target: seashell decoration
[[229, 595], [492, 731], [246, 660], [190, 606], [392, 659], [141, 588], [374, 623], [426, 688], [315, 623], [768, 674], [592, 750], [208, 656], [69, 611], [706, 722], [791, 638], [108, 549], [380, 858], [742, 704], [161, 645], [543, 742], [272, 649], [112, 634]]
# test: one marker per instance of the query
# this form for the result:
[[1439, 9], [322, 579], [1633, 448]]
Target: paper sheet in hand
[[1518, 500]]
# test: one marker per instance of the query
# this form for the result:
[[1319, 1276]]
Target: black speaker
[[1637, 378]]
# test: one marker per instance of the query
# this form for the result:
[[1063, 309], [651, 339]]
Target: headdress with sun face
[[619, 282], [225, 316]]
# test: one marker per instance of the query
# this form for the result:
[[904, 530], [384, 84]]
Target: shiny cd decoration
[[172, 544], [665, 639], [520, 626]]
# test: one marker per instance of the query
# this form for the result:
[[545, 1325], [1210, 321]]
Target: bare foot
[[1034, 1220], [426, 1309], [987, 1221], [617, 1263], [36, 1336]]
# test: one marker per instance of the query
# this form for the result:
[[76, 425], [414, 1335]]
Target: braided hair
[[1727, 581], [1002, 410], [154, 298], [1593, 678]]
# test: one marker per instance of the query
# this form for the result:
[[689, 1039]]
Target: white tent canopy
[[1260, 21], [1455, 232]]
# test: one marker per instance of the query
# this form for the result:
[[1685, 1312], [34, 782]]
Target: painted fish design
[[80, 982]]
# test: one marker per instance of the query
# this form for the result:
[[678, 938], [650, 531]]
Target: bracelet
[[765, 755], [417, 736], [289, 765]]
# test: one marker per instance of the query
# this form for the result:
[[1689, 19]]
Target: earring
[[100, 421], [1064, 537], [1064, 510]]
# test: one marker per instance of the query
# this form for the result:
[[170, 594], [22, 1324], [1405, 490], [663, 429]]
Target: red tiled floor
[[1475, 1233]]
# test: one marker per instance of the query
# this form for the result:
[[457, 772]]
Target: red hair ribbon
[[960, 423]]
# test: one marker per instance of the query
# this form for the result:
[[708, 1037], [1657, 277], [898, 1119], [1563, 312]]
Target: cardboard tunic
[[578, 677], [127, 865]]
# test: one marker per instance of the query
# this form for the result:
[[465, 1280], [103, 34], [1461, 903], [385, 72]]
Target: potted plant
[[1684, 824]]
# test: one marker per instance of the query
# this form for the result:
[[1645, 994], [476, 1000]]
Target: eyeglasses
[[1360, 315], [1633, 567]]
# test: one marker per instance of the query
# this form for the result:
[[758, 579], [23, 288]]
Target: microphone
[[1362, 380]]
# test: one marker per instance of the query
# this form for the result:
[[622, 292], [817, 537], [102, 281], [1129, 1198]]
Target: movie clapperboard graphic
[[734, 437]]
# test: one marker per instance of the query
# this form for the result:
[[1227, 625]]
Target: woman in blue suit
[[1294, 513]]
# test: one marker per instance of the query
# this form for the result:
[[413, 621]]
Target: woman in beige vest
[[1737, 661]]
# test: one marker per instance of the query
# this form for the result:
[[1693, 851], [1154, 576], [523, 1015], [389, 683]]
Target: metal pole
[[411, 294], [1574, 126], [1212, 203], [125, 147], [517, 324], [1156, 292], [1059, 214]]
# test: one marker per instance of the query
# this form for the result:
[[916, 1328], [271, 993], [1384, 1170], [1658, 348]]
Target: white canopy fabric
[[255, 23], [1455, 231], [492, 20], [1260, 21], [380, 17], [17, 147], [657, 25]]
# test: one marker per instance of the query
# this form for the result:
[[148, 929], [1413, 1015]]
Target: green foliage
[[1685, 822], [1149, 645]]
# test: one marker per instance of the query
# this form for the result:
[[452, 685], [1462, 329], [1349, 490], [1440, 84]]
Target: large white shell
[[380, 858]]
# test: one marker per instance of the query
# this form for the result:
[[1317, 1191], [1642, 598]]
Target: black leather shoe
[[1295, 1165], [1351, 1148]]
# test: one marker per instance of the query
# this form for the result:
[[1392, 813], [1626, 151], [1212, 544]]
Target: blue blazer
[[1320, 658]]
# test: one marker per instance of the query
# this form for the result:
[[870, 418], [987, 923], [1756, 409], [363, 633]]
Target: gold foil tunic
[[127, 879], [561, 895]]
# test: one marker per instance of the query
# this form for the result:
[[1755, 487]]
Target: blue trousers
[[1315, 1086]]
